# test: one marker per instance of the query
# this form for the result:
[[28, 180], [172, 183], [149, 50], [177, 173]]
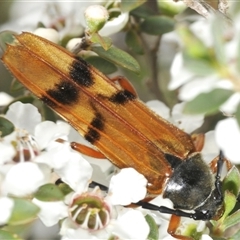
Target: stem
[[152, 57]]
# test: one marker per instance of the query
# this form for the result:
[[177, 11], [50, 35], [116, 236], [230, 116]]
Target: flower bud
[[48, 33], [73, 43], [96, 16]]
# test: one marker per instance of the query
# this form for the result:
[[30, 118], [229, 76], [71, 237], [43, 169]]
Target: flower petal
[[188, 123], [23, 179], [77, 172], [131, 225], [52, 131], [160, 108], [128, 186], [228, 137], [6, 206], [7, 152], [51, 212], [24, 116]]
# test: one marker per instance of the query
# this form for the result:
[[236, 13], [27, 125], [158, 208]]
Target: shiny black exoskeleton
[[192, 186]]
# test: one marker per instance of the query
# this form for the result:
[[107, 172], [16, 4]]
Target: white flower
[[126, 187], [73, 43], [69, 231], [210, 149], [51, 212], [160, 108], [115, 25], [7, 152], [76, 173], [6, 206], [179, 73], [23, 179], [47, 132], [36, 150], [186, 122], [227, 134], [191, 84], [206, 237], [24, 116], [131, 225]]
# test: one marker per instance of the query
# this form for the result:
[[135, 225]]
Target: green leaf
[[217, 29], [105, 42], [157, 25], [153, 234], [237, 114], [49, 193], [142, 11], [119, 57], [101, 64], [127, 6], [232, 220], [235, 9], [232, 181], [207, 103], [6, 127], [16, 85], [64, 188], [238, 56], [24, 211], [193, 46], [197, 57], [134, 42], [229, 204], [9, 236], [6, 37], [236, 235], [200, 66]]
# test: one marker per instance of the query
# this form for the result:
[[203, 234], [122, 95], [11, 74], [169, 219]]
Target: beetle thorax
[[191, 183]]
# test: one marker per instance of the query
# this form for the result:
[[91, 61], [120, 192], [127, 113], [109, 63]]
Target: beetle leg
[[162, 209], [172, 228], [214, 163], [175, 218], [86, 150], [198, 140], [125, 84]]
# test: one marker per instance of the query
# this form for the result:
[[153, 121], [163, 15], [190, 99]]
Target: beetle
[[121, 127]]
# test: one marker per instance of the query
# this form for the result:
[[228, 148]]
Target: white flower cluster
[[226, 75]]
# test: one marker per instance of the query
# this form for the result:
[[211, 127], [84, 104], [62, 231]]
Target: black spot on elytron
[[122, 97], [80, 73], [64, 92], [96, 124], [92, 135]]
